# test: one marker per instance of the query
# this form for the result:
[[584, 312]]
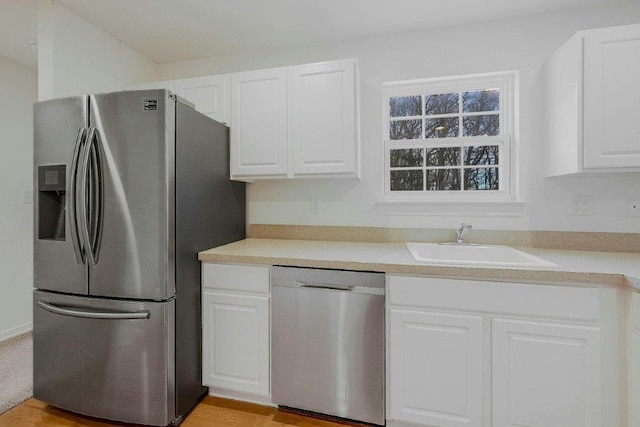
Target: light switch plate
[[27, 197]]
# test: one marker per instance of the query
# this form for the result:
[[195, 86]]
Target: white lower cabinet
[[235, 330], [490, 354], [435, 368], [545, 375]]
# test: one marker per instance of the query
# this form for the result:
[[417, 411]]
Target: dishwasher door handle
[[344, 288], [324, 286]]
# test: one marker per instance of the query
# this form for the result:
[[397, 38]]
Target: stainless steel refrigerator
[[129, 187]]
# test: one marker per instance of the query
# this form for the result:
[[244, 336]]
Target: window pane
[[448, 156], [406, 158], [405, 106], [441, 104], [405, 129], [482, 100], [481, 155], [443, 179], [406, 180], [481, 179], [481, 125], [442, 128]]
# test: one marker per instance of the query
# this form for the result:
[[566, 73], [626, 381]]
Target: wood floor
[[211, 412]]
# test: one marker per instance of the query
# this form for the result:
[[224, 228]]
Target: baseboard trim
[[5, 335], [243, 397]]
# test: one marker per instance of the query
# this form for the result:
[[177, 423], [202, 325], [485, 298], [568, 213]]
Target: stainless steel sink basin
[[467, 255]]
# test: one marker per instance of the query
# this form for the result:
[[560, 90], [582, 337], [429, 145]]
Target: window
[[449, 138]]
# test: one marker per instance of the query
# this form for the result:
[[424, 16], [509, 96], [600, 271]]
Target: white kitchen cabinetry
[[435, 368], [259, 115], [236, 330], [545, 374], [323, 118], [591, 89], [300, 121], [476, 353], [209, 94], [633, 359]]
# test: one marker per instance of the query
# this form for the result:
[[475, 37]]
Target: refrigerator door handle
[[96, 185], [81, 198], [89, 314], [73, 226]]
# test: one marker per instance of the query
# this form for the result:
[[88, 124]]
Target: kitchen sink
[[471, 255]]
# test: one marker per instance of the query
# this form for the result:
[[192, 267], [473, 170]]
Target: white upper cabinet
[[611, 93], [209, 95], [323, 118], [259, 117], [591, 89], [300, 121]]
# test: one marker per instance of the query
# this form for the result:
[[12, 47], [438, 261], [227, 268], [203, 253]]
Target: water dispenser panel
[[51, 202]]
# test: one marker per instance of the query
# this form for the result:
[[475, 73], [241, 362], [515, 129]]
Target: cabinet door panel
[[435, 368], [324, 117], [545, 375], [209, 94], [634, 362], [612, 90], [236, 342], [259, 117]]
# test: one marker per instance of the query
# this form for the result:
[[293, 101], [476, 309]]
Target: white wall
[[521, 44], [76, 57], [18, 91]]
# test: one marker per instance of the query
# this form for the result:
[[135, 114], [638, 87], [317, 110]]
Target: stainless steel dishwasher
[[328, 342]]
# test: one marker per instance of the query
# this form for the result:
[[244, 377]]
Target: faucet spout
[[462, 231]]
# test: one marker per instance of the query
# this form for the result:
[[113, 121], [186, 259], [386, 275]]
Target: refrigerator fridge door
[[60, 131], [135, 135], [105, 358]]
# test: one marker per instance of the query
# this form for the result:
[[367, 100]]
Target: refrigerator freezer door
[[105, 358], [58, 125], [137, 150]]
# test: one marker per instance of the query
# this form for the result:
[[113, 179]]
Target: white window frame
[[506, 82]]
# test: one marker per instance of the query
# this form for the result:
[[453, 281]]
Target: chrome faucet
[[462, 231]]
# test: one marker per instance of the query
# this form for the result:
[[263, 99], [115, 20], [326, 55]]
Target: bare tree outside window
[[447, 141]]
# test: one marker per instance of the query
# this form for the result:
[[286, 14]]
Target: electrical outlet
[[581, 206], [633, 207], [314, 205]]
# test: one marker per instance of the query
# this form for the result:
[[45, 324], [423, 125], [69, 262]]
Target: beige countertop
[[613, 268]]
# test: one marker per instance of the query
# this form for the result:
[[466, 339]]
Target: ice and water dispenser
[[51, 202]]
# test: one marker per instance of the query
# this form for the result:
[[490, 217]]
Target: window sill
[[440, 208]]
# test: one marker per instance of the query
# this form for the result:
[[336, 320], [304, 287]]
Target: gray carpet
[[16, 371]]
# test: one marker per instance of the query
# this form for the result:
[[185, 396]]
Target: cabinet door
[[545, 375], [324, 118], [611, 93], [236, 342], [209, 94], [634, 362], [259, 117], [435, 368]]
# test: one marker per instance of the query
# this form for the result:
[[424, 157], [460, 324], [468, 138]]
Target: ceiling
[[177, 30]]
